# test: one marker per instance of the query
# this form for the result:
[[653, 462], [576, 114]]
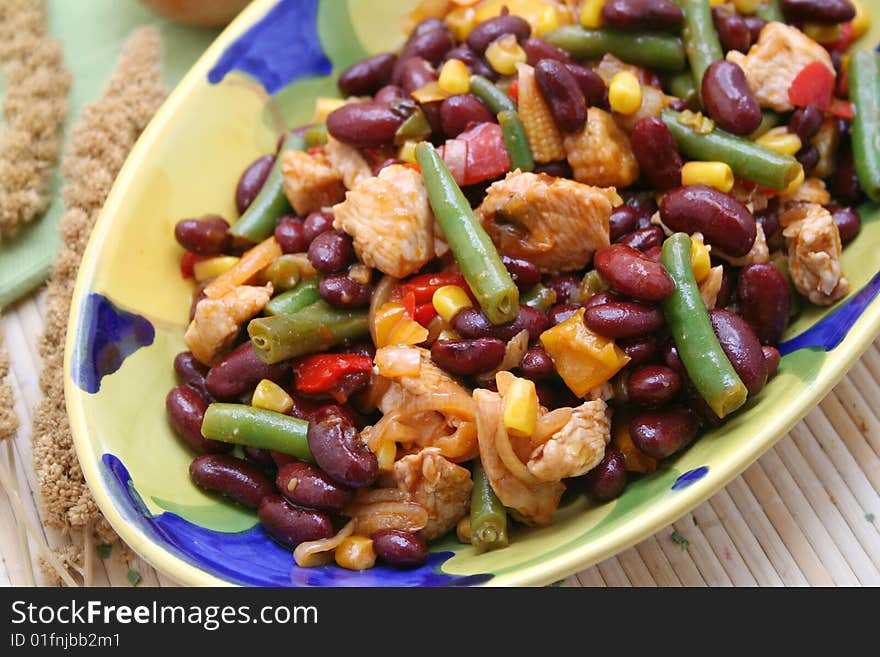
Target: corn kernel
[[591, 14], [824, 34], [780, 140], [461, 21], [716, 3], [547, 21], [625, 93], [449, 300], [700, 261], [271, 397], [862, 21], [407, 152], [306, 269], [747, 7], [323, 107], [213, 267], [356, 553], [455, 77], [504, 54], [386, 455], [715, 174], [521, 408], [463, 530], [796, 183]]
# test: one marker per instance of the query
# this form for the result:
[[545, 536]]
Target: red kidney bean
[[643, 202], [623, 220], [723, 221], [399, 548], [591, 84], [672, 359], [643, 239], [654, 253], [315, 224], [566, 286], [475, 64], [472, 323], [426, 25], [360, 348], [524, 273], [537, 49], [764, 299], [805, 122], [495, 28], [366, 124], [339, 451], [808, 156], [536, 364], [343, 291], [290, 233], [241, 370], [388, 94], [845, 182], [639, 350], [415, 74], [261, 457], [656, 150], [772, 356], [601, 298], [290, 525], [769, 220], [818, 11], [627, 271], [848, 221], [742, 348], [728, 285], [653, 385], [368, 76], [732, 29], [331, 251], [561, 312], [607, 480], [208, 235], [189, 369], [641, 14], [728, 99], [251, 181], [186, 410], [305, 485], [468, 357], [547, 395], [232, 477], [431, 44], [661, 433], [198, 295], [559, 169], [624, 319], [755, 26], [458, 113], [563, 94]]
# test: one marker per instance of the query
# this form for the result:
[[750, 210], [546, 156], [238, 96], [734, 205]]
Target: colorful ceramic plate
[[130, 305]]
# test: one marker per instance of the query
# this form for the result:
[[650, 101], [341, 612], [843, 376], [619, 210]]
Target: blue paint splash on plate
[[279, 48], [831, 330], [107, 336], [251, 558], [690, 477]]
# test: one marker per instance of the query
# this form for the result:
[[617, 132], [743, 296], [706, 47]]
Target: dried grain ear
[[34, 107], [99, 144]]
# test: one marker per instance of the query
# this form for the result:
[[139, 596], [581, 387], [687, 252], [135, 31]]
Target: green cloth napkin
[[92, 33]]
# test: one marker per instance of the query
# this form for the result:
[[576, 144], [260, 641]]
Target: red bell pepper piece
[[844, 41], [423, 287], [487, 156], [188, 261], [513, 90], [329, 373], [842, 109], [812, 86], [425, 313]]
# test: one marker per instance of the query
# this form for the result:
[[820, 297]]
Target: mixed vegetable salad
[[540, 249]]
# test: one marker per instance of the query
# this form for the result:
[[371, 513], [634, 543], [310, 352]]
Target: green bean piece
[[681, 85], [592, 284], [480, 263], [495, 99], [488, 515], [287, 303], [769, 120], [770, 11], [316, 135], [249, 426], [415, 127], [659, 51], [258, 221], [314, 328], [701, 41], [688, 321], [516, 141], [540, 297], [283, 273], [747, 159], [864, 92]]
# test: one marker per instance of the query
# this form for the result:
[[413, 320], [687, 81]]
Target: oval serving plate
[[129, 313]]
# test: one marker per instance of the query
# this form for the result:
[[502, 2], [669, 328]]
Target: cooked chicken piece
[[310, 183], [812, 191], [575, 449], [603, 391], [530, 500], [348, 162], [814, 249], [554, 223], [441, 487], [391, 221], [711, 286], [772, 64], [218, 321], [750, 195], [601, 153], [545, 139], [758, 255]]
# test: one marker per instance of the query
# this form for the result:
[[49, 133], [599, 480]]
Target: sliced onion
[[317, 553], [398, 362], [549, 423], [380, 297]]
